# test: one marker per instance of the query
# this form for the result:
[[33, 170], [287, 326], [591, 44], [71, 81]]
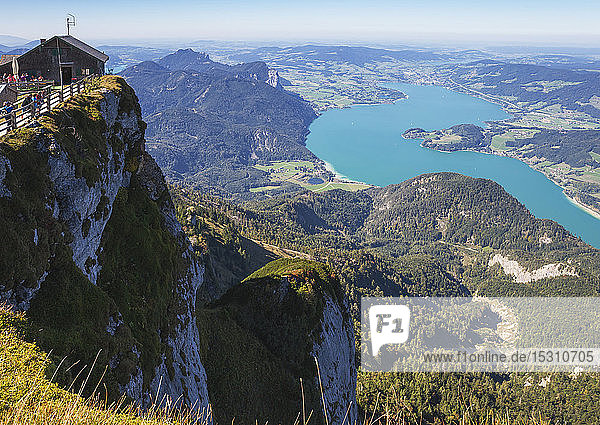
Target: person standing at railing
[[39, 102], [6, 110], [35, 105], [27, 105]]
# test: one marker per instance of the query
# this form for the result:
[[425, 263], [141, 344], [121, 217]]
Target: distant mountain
[[563, 61], [190, 60], [431, 208], [447, 219], [18, 51], [347, 54], [574, 90], [209, 123], [546, 50], [7, 49], [12, 41], [121, 57]]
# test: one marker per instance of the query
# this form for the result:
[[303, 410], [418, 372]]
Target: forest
[[435, 240]]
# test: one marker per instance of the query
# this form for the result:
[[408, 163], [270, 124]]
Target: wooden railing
[[22, 86], [51, 98]]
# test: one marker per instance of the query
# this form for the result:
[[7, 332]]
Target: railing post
[[12, 124]]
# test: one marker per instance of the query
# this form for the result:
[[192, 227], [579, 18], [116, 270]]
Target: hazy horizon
[[435, 22]]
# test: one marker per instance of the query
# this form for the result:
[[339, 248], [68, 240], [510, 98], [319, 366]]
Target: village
[[40, 79]]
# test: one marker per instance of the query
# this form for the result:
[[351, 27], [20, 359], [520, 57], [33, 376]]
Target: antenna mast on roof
[[70, 23]]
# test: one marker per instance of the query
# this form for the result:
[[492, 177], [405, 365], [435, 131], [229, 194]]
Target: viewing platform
[[51, 97]]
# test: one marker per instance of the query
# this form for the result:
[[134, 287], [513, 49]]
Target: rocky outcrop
[[87, 208], [273, 78], [522, 275], [188, 377], [286, 319], [85, 213], [335, 357]]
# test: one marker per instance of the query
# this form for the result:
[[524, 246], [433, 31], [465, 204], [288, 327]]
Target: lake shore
[[363, 141], [587, 208], [584, 207], [340, 177]]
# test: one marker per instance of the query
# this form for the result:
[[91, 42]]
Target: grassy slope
[[28, 395]]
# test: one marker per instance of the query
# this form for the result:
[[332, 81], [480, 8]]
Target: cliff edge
[[93, 254]]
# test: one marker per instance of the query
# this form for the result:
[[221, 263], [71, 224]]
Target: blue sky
[[536, 21]]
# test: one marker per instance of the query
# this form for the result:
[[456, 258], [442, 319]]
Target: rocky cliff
[[94, 256], [268, 335], [93, 253]]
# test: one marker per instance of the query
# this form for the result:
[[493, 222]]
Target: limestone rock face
[[335, 354], [273, 78], [86, 209], [188, 377], [76, 167], [287, 317]]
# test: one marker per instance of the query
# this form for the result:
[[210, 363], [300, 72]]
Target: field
[[548, 86], [553, 119], [307, 174], [333, 84], [337, 86], [499, 140], [444, 137]]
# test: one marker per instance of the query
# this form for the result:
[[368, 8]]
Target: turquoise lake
[[365, 143]]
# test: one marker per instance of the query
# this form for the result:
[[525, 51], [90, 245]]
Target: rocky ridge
[[59, 187]]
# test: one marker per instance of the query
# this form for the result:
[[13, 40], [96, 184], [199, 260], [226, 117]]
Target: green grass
[[592, 176], [555, 121], [28, 394], [285, 266], [299, 172], [499, 142], [258, 339], [548, 86]]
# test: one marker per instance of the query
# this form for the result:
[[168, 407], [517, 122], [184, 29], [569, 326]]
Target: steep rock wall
[[83, 208], [336, 363], [265, 335]]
